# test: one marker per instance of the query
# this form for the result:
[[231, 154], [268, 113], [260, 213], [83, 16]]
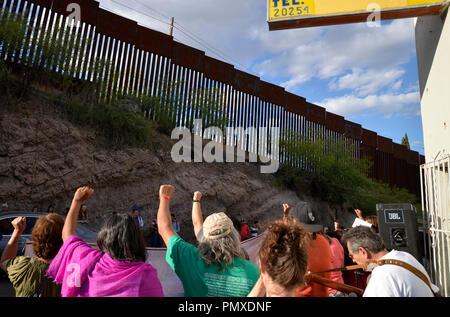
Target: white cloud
[[363, 83], [226, 26], [397, 85], [366, 61], [238, 29], [387, 104], [336, 50]]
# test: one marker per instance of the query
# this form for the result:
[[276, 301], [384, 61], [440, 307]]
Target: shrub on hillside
[[329, 168], [117, 125]]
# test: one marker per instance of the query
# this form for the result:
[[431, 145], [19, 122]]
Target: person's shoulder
[[73, 239], [385, 272], [404, 257], [252, 269], [321, 239], [322, 244], [176, 241], [18, 261], [401, 256], [21, 266], [335, 241], [79, 246], [149, 269], [250, 265], [181, 254]]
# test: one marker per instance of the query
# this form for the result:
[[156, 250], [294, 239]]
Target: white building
[[433, 56]]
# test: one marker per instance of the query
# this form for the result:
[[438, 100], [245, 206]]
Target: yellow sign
[[306, 9]]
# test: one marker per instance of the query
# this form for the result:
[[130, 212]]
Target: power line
[[151, 9], [212, 49], [198, 40], [191, 35], [130, 8], [207, 45]]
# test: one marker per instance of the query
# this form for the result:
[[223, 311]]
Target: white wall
[[433, 57]]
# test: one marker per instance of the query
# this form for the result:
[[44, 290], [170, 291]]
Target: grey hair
[[363, 237], [221, 251]]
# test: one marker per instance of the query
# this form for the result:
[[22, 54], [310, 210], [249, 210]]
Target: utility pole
[[171, 26]]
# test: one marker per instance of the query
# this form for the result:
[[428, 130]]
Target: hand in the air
[[83, 193]]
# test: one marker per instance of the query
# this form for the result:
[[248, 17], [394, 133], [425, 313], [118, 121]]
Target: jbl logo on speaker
[[398, 227]]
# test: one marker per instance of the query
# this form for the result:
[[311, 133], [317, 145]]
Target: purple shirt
[[87, 272]]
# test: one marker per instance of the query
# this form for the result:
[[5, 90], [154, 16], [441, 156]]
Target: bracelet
[[164, 196], [196, 201]]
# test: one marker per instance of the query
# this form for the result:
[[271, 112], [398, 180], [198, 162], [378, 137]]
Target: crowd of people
[[296, 259]]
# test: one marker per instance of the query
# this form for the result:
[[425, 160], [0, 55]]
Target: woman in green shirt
[[217, 267], [27, 274]]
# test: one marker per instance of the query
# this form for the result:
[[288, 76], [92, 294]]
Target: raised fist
[[287, 210], [19, 224], [83, 193], [197, 195], [166, 190], [359, 213]]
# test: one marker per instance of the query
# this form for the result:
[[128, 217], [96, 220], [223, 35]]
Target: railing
[[435, 181], [139, 59]]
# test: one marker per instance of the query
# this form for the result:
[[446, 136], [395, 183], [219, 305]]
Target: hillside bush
[[118, 126], [330, 169]]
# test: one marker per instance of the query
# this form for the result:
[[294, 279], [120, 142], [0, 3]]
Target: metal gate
[[435, 181]]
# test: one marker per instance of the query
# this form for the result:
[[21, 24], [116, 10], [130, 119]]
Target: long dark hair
[[122, 239]]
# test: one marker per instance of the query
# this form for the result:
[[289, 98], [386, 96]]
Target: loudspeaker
[[397, 224]]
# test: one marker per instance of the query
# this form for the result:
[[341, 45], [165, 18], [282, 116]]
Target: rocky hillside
[[44, 159]]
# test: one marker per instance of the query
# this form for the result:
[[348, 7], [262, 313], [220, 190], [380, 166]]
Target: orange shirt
[[320, 258]]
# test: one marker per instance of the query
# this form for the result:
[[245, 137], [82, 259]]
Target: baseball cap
[[217, 226]]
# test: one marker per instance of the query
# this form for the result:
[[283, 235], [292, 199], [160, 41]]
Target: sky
[[366, 74]]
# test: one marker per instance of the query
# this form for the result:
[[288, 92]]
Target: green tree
[[329, 170], [329, 166], [405, 142]]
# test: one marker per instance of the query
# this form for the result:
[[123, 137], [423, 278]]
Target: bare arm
[[287, 213], [10, 250], [70, 225], [164, 218], [197, 216]]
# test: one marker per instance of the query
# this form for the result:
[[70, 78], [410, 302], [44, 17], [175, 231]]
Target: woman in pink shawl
[[117, 269]]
